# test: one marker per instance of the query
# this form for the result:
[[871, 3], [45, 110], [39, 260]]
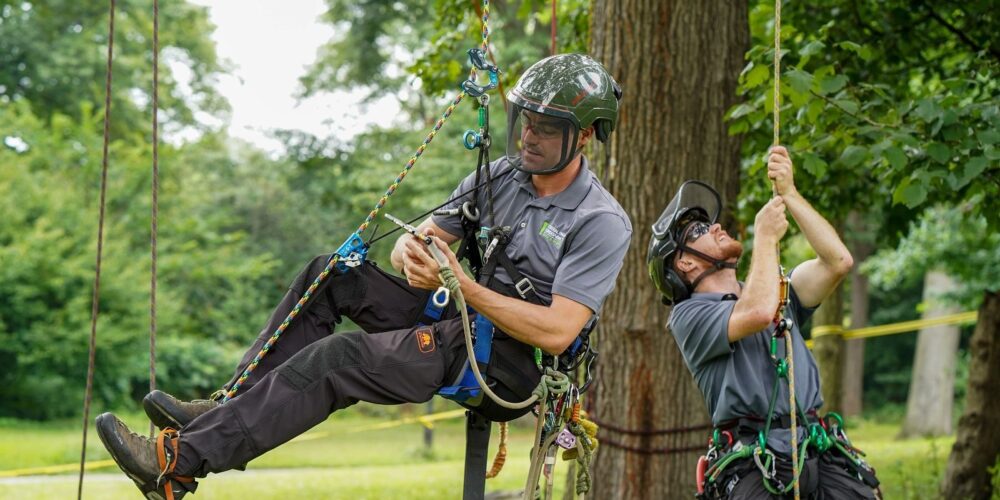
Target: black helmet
[[694, 201], [557, 97]]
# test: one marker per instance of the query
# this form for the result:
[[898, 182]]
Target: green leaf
[[832, 84], [939, 152], [812, 48], [896, 157], [814, 110], [814, 165], [853, 155], [756, 76], [799, 80], [862, 51], [954, 132], [927, 110], [973, 168], [909, 194], [848, 106], [988, 136], [740, 110]]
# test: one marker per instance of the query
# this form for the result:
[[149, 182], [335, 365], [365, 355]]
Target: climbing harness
[[725, 449]]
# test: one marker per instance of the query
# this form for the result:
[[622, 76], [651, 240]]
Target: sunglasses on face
[[696, 230]]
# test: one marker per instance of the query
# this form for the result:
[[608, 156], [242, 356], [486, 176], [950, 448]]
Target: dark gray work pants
[[311, 372]]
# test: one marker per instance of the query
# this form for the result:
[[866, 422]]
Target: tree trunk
[[829, 349], [977, 446], [678, 63], [852, 395], [932, 385]]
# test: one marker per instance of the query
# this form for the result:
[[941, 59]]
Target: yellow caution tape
[[893, 328], [425, 420], [55, 469]]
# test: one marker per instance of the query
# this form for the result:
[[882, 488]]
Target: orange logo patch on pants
[[425, 339]]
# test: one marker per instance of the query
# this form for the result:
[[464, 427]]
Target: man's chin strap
[[717, 265]]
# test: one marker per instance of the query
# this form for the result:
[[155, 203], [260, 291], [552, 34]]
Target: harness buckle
[[523, 287]]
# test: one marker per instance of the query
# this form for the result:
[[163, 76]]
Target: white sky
[[270, 44]]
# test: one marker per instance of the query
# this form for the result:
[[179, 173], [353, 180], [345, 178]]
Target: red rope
[[650, 432], [650, 451], [552, 49]]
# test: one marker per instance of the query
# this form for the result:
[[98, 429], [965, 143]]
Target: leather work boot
[[137, 457], [165, 410]]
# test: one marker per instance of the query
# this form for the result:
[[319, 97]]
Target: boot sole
[[106, 432]]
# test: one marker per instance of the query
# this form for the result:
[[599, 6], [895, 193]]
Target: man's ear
[[585, 136], [684, 265]]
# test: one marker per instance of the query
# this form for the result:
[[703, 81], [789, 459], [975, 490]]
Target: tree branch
[[855, 115], [959, 33]]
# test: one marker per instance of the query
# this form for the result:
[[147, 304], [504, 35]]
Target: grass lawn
[[333, 461]]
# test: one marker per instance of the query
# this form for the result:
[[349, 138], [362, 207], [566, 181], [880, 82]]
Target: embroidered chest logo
[[425, 340], [549, 233]]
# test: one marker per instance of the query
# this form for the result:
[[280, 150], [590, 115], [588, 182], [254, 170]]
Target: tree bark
[[977, 446], [829, 349], [932, 385], [852, 395], [678, 63]]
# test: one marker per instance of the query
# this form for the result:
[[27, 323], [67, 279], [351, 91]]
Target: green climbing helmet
[[551, 103]]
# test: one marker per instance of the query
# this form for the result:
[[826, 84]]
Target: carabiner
[[478, 59]]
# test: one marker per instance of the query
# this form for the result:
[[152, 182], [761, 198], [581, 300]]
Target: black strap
[[477, 443]]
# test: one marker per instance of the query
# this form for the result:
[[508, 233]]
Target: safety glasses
[[696, 230]]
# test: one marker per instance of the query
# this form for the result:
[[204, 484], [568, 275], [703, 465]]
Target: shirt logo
[[425, 339], [549, 233]]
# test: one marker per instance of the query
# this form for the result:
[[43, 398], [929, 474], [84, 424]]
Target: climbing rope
[[100, 246], [789, 347], [354, 246], [155, 202], [501, 457], [552, 47]]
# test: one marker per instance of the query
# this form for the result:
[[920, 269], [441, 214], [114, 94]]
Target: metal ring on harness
[[470, 211], [472, 139], [441, 297]]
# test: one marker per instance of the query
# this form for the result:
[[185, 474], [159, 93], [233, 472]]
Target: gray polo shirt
[[736, 379], [572, 243]]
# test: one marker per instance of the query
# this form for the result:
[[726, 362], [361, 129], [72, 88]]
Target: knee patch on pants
[[312, 363]]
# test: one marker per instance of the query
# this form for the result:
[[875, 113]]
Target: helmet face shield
[[540, 143], [692, 194], [695, 202]]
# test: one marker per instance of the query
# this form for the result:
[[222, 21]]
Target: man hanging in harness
[[726, 331], [552, 240]]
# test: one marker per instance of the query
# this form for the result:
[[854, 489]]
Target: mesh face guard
[[539, 142]]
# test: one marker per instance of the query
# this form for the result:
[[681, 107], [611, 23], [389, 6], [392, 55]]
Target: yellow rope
[[789, 348]]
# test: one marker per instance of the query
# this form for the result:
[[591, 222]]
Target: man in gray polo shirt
[[565, 236], [724, 329]]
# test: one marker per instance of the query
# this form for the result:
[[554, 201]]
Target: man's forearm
[[761, 281], [529, 323], [820, 234]]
